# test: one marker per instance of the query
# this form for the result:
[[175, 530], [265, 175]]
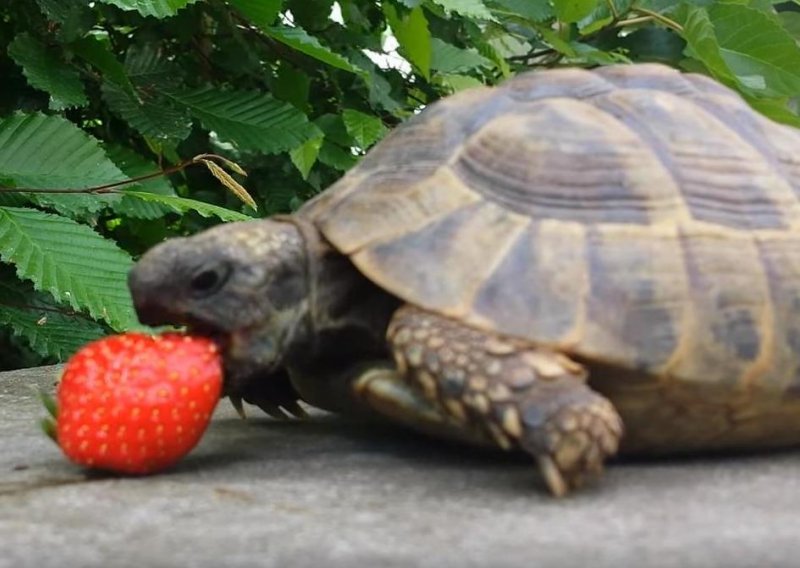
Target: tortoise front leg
[[520, 395]]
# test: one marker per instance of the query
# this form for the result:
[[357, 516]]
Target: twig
[[670, 23], [113, 186]]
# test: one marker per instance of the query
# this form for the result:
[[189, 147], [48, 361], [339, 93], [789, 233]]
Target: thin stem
[[633, 21], [113, 186], [670, 23]]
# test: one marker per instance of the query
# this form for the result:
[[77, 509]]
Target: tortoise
[[528, 266]]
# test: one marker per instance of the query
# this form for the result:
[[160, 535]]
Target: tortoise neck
[[347, 314]]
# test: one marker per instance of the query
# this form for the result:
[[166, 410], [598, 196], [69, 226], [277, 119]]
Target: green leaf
[[143, 205], [259, 12], [48, 73], [775, 109], [148, 114], [740, 43], [791, 23], [298, 39], [305, 156], [336, 157], [98, 53], [535, 10], [50, 330], [698, 31], [49, 152], [447, 58], [468, 8], [70, 261], [570, 11], [457, 83], [133, 165], [365, 129], [157, 8], [413, 36], [248, 119]]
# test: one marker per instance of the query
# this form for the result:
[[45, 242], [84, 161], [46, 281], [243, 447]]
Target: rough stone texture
[[336, 492]]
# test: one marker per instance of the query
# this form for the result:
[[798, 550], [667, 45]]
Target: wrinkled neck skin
[[347, 314]]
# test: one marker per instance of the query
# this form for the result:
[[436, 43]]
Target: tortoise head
[[245, 284]]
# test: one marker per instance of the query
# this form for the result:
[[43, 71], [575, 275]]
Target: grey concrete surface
[[333, 492]]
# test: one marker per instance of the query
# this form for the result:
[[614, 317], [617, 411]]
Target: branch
[[113, 186]]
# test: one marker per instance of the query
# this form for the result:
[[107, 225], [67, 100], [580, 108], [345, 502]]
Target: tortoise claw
[[272, 409], [236, 401], [296, 410], [552, 476]]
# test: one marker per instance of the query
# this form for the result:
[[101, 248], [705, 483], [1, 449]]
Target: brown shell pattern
[[631, 214]]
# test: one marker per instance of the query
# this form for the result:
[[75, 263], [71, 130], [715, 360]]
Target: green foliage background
[[292, 90]]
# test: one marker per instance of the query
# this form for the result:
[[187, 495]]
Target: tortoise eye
[[208, 280]]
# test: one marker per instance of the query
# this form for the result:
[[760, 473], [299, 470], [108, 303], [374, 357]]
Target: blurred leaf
[[46, 72], [412, 34], [157, 8], [569, 11], [448, 58], [365, 129], [260, 12], [742, 44], [305, 156], [536, 10], [469, 8]]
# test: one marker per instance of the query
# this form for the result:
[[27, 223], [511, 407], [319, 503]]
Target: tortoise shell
[[629, 215]]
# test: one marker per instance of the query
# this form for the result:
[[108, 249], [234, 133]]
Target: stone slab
[[333, 492]]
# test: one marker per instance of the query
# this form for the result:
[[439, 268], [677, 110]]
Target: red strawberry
[[136, 403]]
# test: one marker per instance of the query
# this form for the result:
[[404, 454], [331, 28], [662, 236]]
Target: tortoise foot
[[519, 395]]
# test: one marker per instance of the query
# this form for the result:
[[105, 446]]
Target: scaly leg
[[521, 395]]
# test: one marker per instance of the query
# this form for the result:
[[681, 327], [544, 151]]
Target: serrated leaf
[[570, 11], [413, 36], [305, 156], [260, 12], [365, 129], [98, 53], [133, 165], [535, 10], [157, 8], [48, 73], [148, 114], [447, 58], [742, 44], [47, 328], [459, 82], [336, 157], [297, 38], [248, 119], [468, 8], [74, 17], [49, 152], [603, 15], [143, 205], [70, 261]]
